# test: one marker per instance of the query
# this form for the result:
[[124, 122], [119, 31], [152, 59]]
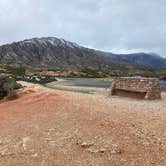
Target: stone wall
[[147, 88]]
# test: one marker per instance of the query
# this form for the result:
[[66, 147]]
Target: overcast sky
[[119, 26]]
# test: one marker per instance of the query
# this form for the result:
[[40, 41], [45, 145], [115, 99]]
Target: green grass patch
[[71, 90]]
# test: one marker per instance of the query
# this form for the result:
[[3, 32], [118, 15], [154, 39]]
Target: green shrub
[[7, 88]]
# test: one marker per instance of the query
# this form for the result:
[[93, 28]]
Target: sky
[[119, 26]]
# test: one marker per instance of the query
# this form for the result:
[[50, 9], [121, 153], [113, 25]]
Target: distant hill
[[58, 54], [142, 59]]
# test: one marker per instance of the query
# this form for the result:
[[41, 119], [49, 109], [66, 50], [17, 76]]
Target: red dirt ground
[[45, 127]]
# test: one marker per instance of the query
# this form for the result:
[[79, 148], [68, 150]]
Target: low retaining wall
[[137, 87]]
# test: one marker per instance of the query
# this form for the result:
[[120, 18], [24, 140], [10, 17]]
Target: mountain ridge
[[59, 54]]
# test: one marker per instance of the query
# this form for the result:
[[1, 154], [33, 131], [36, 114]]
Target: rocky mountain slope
[[151, 60], [53, 53], [57, 54]]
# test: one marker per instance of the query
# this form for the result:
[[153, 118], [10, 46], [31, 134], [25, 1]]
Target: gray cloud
[[113, 25]]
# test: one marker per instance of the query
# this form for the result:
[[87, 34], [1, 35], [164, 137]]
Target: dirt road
[[49, 127]]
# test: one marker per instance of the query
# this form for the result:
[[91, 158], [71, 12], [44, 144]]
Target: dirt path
[[49, 127]]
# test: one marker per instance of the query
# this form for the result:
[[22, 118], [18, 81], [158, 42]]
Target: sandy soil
[[45, 127]]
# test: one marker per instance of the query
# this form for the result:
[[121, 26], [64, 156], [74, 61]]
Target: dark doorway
[[132, 94]]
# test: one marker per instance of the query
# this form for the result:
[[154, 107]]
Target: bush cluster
[[7, 87]]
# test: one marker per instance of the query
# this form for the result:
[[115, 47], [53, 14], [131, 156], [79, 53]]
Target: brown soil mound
[[45, 127]]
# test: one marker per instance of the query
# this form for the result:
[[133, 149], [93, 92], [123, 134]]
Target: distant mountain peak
[[50, 40]]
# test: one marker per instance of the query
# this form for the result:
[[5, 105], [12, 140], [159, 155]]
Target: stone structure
[[137, 87]]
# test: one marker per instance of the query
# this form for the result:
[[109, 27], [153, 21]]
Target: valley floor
[[44, 127]]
